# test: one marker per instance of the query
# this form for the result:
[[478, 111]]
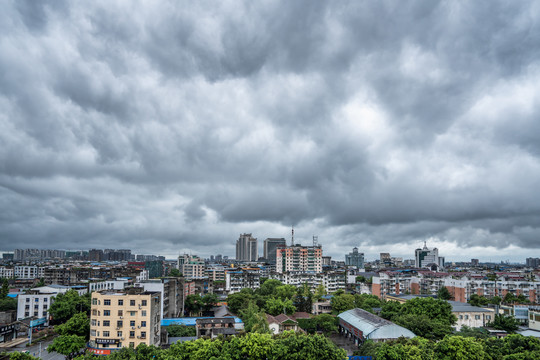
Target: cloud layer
[[167, 127]]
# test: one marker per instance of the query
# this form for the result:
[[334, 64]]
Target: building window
[[143, 303], [143, 334], [119, 323], [132, 323], [107, 302], [143, 323], [27, 307], [120, 302], [45, 307], [94, 322], [120, 312], [26, 314], [132, 313], [131, 344], [44, 314], [45, 299], [106, 312], [35, 313], [477, 317], [132, 334], [119, 334], [143, 313], [466, 317], [36, 307], [27, 299], [94, 312], [106, 323], [94, 301], [461, 317], [106, 334], [92, 332], [132, 302]]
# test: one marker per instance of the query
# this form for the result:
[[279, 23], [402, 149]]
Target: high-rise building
[[299, 258], [532, 262], [355, 258], [270, 247], [122, 319], [95, 255], [246, 248], [428, 257]]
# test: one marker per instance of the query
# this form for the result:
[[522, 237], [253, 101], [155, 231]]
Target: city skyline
[[372, 125]]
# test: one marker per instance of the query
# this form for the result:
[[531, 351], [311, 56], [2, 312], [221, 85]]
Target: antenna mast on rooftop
[[315, 241], [292, 236]]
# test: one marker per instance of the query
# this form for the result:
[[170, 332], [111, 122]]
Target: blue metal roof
[[190, 321], [12, 295]]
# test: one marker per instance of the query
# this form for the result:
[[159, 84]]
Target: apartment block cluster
[[293, 264]]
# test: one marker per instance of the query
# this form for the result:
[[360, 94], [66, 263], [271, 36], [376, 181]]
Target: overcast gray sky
[[167, 127]]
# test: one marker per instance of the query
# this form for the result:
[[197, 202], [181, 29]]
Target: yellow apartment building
[[124, 318]]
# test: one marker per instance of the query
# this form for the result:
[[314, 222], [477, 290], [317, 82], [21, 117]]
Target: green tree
[[422, 325], [284, 292], [479, 333], [181, 330], [174, 272], [254, 319], [390, 309], [268, 288], [327, 323], [276, 306], [67, 344], [290, 345], [341, 303], [495, 300], [507, 323], [193, 304], [8, 303], [237, 301], [319, 292], [509, 298], [443, 293], [460, 348], [79, 325], [5, 289], [17, 355], [68, 304], [476, 300], [209, 301], [367, 302], [435, 309], [304, 299]]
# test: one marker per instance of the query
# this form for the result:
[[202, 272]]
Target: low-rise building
[[212, 327], [283, 322]]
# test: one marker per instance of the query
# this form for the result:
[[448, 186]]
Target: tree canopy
[[68, 304], [426, 317], [253, 346], [452, 347], [79, 325], [67, 344]]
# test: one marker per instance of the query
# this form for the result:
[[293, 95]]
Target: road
[[34, 350]]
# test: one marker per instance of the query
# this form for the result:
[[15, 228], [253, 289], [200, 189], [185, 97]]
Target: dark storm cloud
[[170, 127]]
